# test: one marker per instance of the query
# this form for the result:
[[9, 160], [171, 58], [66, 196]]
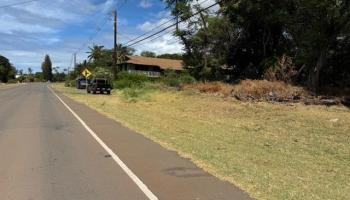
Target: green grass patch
[[272, 151]]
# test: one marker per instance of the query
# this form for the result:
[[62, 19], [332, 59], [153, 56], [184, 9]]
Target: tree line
[[303, 41], [7, 70]]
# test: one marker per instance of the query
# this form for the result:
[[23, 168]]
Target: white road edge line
[[116, 158]]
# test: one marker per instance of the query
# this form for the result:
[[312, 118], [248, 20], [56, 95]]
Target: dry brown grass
[[211, 87], [254, 89]]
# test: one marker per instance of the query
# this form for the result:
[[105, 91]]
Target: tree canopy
[[7, 71], [46, 67], [148, 54], [246, 38]]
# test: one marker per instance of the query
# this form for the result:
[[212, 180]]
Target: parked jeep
[[100, 85]]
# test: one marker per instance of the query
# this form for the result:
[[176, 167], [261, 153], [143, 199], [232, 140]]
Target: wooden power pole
[[75, 60], [115, 56]]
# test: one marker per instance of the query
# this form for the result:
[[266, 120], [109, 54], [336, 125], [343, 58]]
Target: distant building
[[151, 67]]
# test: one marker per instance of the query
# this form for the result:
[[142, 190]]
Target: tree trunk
[[314, 73]]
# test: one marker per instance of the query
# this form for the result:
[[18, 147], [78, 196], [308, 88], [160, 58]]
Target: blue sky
[[59, 28]]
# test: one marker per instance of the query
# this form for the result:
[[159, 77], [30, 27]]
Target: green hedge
[[173, 79], [130, 80]]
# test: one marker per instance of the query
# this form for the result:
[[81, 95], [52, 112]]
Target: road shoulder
[[167, 174]]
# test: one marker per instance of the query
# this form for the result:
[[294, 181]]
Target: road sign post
[[86, 73]]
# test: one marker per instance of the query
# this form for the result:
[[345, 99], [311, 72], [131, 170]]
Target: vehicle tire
[[108, 92], [94, 91], [89, 91]]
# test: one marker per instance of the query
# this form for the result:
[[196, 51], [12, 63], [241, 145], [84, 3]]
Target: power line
[[18, 3], [92, 36], [158, 26], [153, 39], [150, 31], [168, 27]]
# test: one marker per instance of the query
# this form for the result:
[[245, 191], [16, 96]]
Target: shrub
[[283, 70], [130, 80], [173, 79], [70, 83], [187, 79], [100, 72]]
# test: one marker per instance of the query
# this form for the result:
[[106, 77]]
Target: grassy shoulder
[[272, 151], [8, 85]]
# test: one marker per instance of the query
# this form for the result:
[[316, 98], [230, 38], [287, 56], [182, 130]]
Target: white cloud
[[9, 24], [145, 3], [147, 26], [160, 44], [165, 44], [30, 31]]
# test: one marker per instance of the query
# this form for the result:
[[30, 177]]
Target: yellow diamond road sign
[[86, 73]]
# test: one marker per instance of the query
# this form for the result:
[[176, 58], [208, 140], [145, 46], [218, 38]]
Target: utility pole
[[115, 56], [75, 60]]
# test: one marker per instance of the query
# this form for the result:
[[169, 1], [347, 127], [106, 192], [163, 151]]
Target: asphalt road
[[47, 154]]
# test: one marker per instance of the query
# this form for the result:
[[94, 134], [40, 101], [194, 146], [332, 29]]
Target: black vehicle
[[100, 85]]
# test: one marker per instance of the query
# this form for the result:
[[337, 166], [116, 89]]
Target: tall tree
[[46, 67], [7, 71], [148, 54], [320, 28], [30, 71], [174, 56]]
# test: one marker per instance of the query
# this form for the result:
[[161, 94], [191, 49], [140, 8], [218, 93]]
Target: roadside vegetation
[[271, 150], [7, 70]]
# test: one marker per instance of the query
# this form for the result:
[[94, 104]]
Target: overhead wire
[[98, 28], [156, 27], [18, 4], [174, 24], [92, 36], [153, 39]]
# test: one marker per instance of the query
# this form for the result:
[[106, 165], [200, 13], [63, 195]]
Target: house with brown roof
[[152, 67]]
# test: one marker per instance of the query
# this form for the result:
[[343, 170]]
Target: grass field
[[272, 151]]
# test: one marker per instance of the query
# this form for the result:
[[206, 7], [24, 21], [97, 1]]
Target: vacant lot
[[272, 151]]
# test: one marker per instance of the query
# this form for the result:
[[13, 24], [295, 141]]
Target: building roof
[[160, 62]]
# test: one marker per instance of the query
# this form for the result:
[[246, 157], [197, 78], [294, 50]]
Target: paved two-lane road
[[46, 154]]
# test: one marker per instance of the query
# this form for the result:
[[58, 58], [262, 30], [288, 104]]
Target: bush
[[130, 80], [100, 72], [187, 79], [283, 70], [173, 79], [70, 83]]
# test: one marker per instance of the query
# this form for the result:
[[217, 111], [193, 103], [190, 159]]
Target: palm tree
[[30, 71], [123, 52], [95, 53]]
